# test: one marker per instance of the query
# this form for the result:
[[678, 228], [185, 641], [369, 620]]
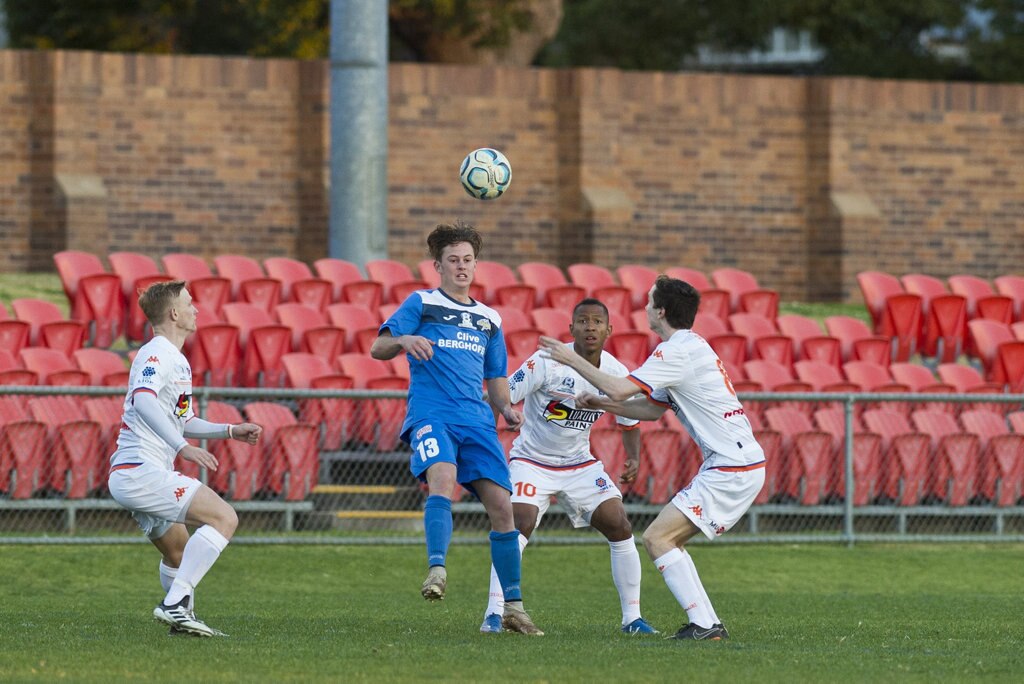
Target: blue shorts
[[475, 451]]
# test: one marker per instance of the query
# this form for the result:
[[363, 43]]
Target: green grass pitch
[[897, 613]]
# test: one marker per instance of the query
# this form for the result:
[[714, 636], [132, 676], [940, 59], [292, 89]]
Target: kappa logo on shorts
[[697, 511], [178, 493], [425, 430]]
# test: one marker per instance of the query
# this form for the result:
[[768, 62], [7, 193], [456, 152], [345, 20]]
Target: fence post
[[848, 533]]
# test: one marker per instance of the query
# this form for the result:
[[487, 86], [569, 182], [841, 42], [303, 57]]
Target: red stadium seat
[[590, 277], [75, 445], [263, 343], [501, 287], [867, 456], [857, 343], [764, 340], [216, 355], [606, 445], [920, 380], [810, 455], [810, 343], [775, 466], [14, 335], [391, 273], [339, 273], [553, 323], [745, 294], [208, 291], [639, 280], [239, 475], [1000, 352], [96, 296], [1012, 286], [876, 287], [639, 320], [311, 332], [130, 267], [105, 368], [336, 418], [52, 367], [630, 347], [669, 462], [906, 451], [428, 273], [565, 297], [355, 320], [48, 327], [982, 300], [956, 455], [23, 450], [248, 281], [290, 450], [298, 283], [715, 302], [380, 420], [824, 377], [1001, 468]]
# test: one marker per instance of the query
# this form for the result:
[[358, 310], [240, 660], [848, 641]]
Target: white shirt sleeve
[[197, 428], [528, 378], [148, 409]]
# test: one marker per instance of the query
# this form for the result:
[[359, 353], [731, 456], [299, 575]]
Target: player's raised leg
[[610, 520]]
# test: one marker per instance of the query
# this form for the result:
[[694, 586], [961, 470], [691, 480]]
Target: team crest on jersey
[[569, 417], [568, 386], [181, 407], [484, 324], [467, 320]]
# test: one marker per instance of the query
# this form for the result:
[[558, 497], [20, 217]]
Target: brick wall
[[804, 182]]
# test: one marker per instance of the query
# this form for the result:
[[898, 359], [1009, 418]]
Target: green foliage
[[266, 28], [997, 51], [354, 614], [489, 23]]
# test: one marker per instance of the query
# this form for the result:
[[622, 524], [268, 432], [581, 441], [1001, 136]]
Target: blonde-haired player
[[684, 374], [157, 418]]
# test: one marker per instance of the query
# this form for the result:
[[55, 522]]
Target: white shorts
[[580, 491], [157, 497], [716, 499]]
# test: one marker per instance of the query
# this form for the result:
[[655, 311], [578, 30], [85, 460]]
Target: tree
[[996, 40], [268, 28], [475, 31]]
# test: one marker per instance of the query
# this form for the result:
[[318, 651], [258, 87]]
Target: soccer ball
[[485, 173]]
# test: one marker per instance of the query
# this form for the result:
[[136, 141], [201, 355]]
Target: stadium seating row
[[59, 444], [105, 302], [923, 315]]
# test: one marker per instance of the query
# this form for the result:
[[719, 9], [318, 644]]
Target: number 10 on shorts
[[525, 489]]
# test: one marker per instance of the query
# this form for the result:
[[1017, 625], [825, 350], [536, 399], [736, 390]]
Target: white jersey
[[685, 374], [162, 369], [555, 433]]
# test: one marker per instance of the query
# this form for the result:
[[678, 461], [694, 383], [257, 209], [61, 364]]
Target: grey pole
[[359, 130]]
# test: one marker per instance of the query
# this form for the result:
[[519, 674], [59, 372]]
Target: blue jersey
[[468, 349]]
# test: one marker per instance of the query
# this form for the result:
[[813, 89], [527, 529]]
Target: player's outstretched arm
[[615, 387], [639, 408]]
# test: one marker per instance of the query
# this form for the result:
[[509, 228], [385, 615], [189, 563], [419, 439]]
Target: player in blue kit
[[455, 345]]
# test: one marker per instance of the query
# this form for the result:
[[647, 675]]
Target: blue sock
[[437, 523], [506, 559]]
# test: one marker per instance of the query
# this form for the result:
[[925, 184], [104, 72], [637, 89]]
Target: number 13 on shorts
[[428, 448]]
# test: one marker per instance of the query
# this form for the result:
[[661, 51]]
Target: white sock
[[682, 585], [495, 597], [626, 571], [700, 585], [167, 575], [201, 551]]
